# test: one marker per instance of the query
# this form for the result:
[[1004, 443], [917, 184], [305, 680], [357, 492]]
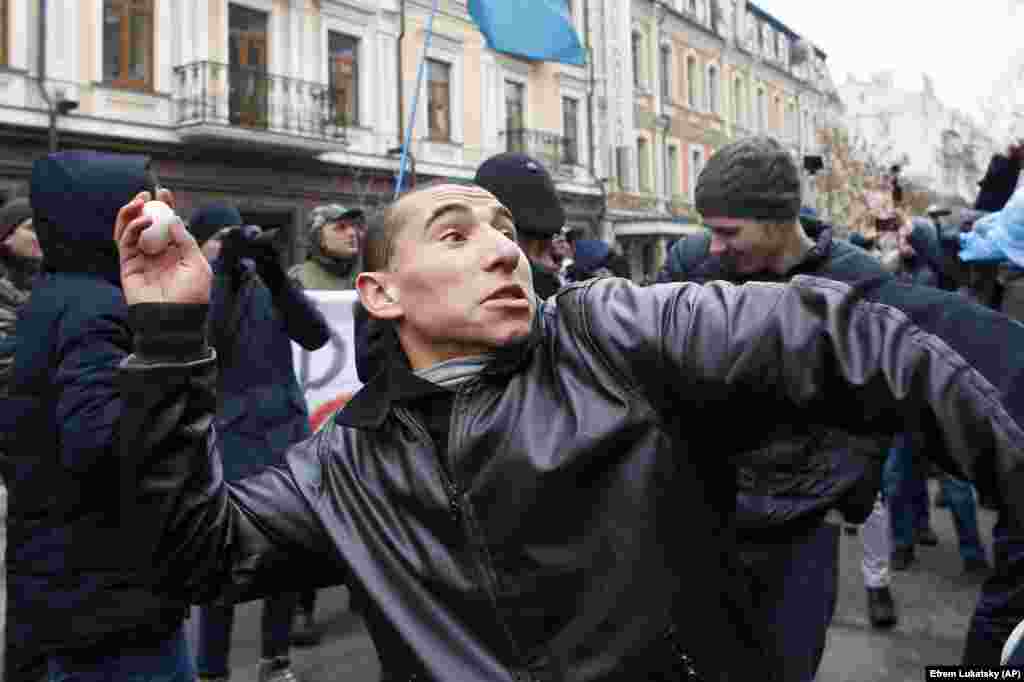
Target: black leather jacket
[[569, 532], [795, 470]]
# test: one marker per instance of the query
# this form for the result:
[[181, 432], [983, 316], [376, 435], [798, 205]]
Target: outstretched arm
[[880, 355], [204, 538]]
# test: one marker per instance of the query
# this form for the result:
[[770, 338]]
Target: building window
[[805, 131], [713, 105], [515, 117], [637, 61], [790, 121], [777, 115], [691, 82], [439, 103], [643, 153], [692, 6], [672, 171], [737, 102], [622, 167], [127, 42], [761, 114], [666, 71], [343, 77], [570, 131], [696, 166]]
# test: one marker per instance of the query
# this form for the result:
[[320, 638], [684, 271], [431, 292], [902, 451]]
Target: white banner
[[330, 372]]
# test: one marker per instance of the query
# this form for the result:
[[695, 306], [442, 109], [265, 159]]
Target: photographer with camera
[[255, 313]]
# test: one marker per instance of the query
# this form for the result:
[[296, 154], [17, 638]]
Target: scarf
[[451, 374]]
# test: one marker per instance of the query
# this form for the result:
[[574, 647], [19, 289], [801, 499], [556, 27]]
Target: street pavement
[[933, 598]]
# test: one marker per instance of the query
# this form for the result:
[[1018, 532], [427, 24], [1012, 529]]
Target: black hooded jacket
[[71, 586]]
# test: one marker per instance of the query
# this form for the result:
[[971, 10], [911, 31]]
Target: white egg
[[157, 236]]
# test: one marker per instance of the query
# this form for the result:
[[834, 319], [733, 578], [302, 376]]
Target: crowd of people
[[518, 490]]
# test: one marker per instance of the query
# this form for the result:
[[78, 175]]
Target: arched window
[[637, 59], [712, 89], [691, 82], [666, 72], [739, 115]]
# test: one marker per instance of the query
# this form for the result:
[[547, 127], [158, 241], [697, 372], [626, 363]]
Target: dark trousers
[[1001, 602], [165, 661], [906, 492], [794, 583], [216, 623]]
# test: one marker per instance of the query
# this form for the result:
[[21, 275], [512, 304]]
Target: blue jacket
[[261, 408], [72, 585]]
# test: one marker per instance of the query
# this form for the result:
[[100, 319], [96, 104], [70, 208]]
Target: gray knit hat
[[755, 177]]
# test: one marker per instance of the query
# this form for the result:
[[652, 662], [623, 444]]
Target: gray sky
[[963, 47]]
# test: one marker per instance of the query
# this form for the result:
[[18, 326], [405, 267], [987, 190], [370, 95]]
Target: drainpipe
[[41, 76], [590, 89], [401, 92]]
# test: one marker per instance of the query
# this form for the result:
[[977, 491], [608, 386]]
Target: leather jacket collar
[[397, 383]]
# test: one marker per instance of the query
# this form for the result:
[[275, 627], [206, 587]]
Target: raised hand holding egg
[[155, 238]]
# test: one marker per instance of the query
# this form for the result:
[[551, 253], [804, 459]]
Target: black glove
[[248, 247]]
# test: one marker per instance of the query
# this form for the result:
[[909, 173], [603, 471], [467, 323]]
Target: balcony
[[560, 155], [221, 104]]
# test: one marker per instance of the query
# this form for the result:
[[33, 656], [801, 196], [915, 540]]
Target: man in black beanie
[[794, 472], [525, 187]]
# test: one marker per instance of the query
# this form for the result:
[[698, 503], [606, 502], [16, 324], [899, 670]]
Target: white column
[[385, 95], [296, 18], [490, 116], [165, 53], [201, 28], [20, 36]]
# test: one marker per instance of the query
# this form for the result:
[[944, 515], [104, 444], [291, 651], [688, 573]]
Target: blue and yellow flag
[[535, 29]]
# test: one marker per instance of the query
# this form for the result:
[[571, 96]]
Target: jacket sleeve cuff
[[168, 333]]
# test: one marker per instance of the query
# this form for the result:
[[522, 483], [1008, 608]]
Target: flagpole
[[415, 98]]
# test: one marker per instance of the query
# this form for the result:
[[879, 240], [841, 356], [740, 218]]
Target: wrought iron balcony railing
[[213, 93], [556, 152]]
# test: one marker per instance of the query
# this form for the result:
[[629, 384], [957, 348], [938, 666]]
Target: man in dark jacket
[[255, 314], [1001, 179], [797, 470], [906, 468], [523, 185], [508, 495], [76, 594], [19, 262]]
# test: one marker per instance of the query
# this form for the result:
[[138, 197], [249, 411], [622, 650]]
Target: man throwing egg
[[75, 596]]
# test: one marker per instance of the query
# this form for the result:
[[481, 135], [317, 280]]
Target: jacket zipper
[[485, 566], [465, 520]]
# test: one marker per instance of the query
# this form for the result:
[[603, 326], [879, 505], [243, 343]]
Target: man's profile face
[[463, 283], [23, 243], [745, 246], [340, 238]]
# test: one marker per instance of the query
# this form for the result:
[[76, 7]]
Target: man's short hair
[[755, 178], [382, 228]]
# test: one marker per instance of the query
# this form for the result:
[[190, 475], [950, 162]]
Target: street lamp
[[62, 107]]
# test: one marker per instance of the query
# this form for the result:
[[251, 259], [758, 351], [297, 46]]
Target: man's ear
[[379, 296]]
